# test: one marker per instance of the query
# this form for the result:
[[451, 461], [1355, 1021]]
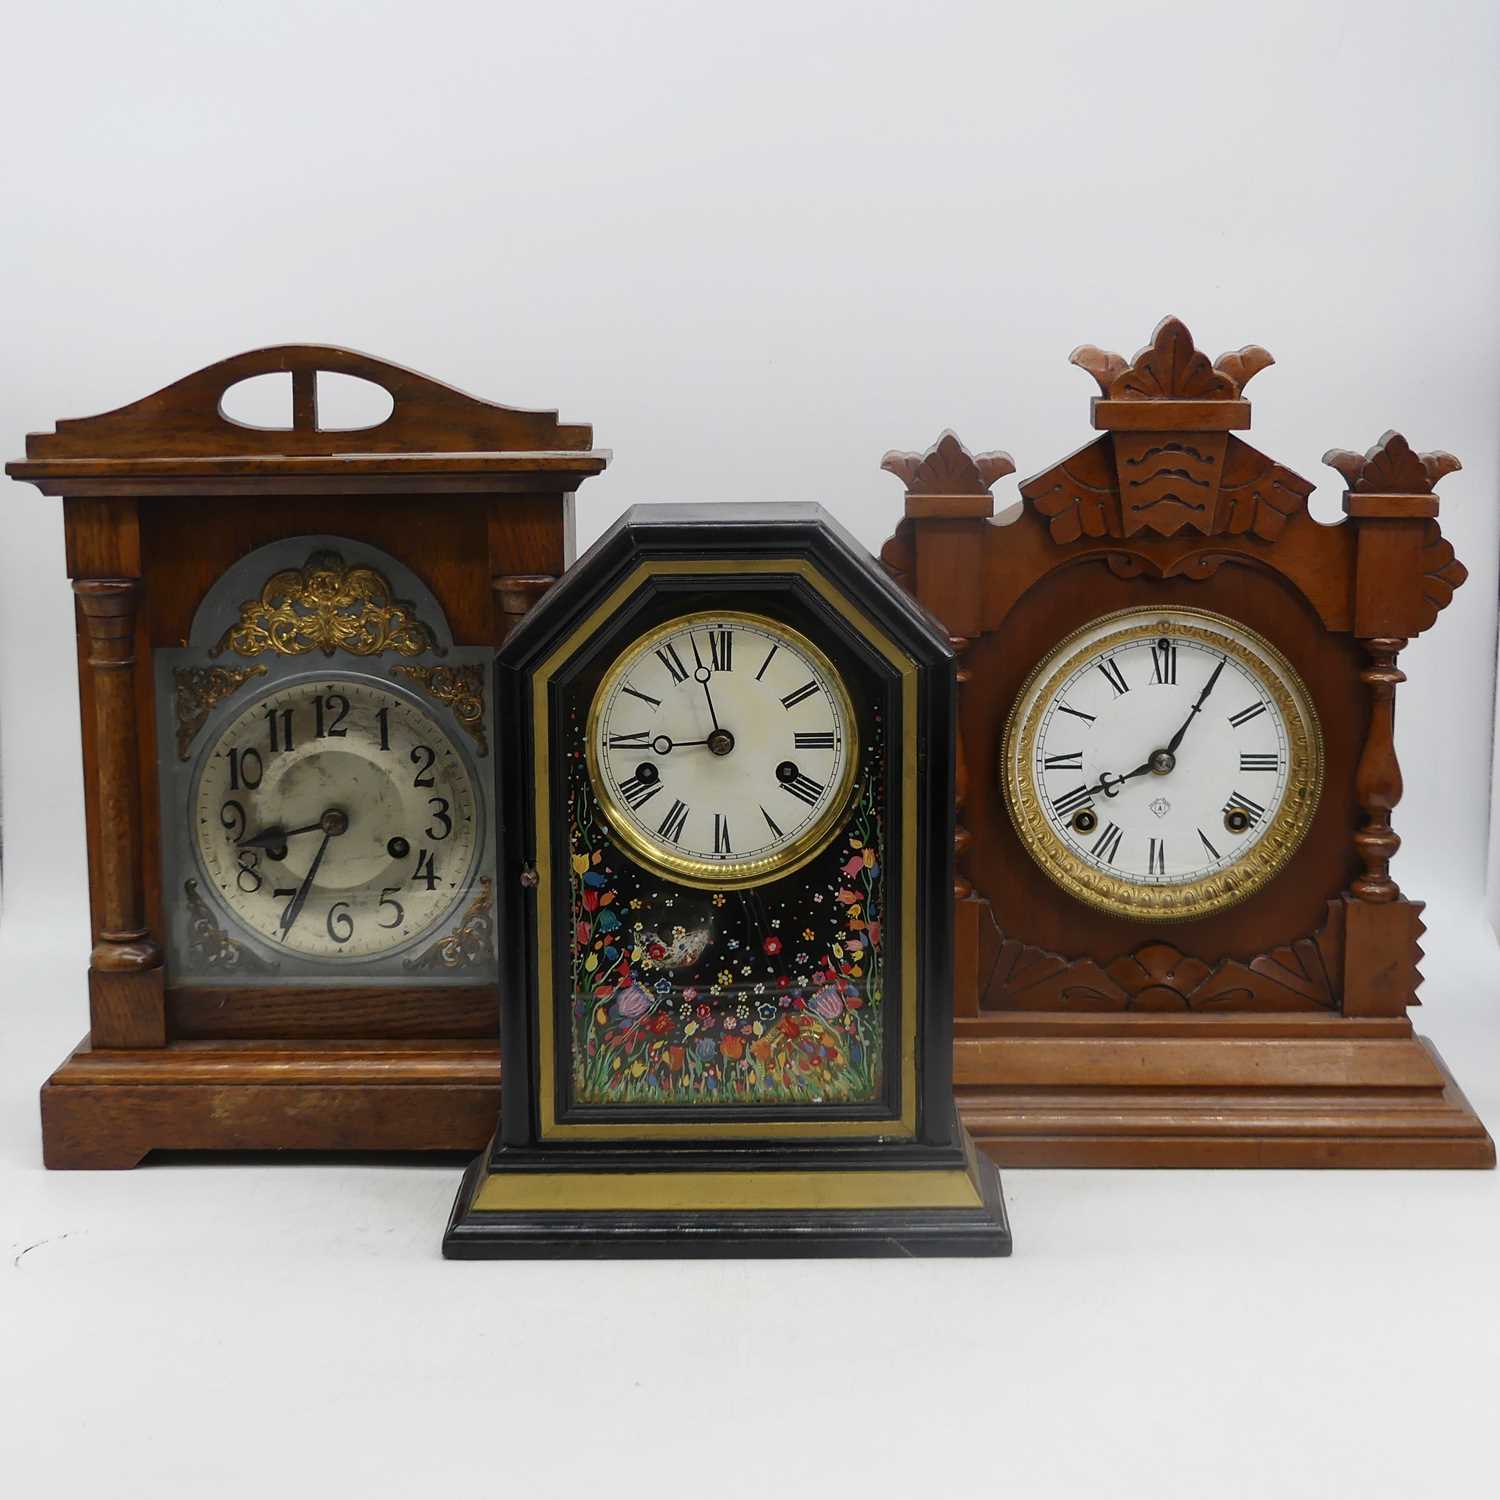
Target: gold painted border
[[739, 1129], [790, 856], [709, 1192], [1198, 898]]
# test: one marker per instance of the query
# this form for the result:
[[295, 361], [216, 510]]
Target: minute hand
[[1208, 687], [294, 907]]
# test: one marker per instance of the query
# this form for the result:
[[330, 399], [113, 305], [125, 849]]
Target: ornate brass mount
[[328, 606], [471, 943], [212, 946], [458, 688], [199, 691]]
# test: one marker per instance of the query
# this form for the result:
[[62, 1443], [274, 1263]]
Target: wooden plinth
[[1214, 1091], [1175, 1091], [109, 1108]]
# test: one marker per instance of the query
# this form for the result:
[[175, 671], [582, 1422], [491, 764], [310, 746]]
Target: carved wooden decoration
[[1272, 1034], [160, 499]]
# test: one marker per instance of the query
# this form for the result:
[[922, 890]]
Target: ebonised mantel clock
[[725, 881], [1177, 939], [286, 646]]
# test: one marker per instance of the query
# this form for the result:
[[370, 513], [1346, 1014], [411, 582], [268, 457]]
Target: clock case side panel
[[519, 888], [681, 535]]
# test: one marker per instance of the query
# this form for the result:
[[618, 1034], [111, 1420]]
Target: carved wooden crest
[[948, 468], [1391, 467], [1168, 462]]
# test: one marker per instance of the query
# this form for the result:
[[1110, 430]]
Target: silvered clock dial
[[336, 819]]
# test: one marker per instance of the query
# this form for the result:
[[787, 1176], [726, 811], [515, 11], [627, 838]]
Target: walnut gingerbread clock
[[1177, 939], [286, 647], [725, 881]]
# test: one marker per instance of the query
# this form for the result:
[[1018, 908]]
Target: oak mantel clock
[[1178, 940], [286, 645], [726, 881]]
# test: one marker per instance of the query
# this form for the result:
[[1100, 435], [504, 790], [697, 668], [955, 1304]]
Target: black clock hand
[[1208, 687], [1106, 781], [1159, 759], [295, 905], [702, 674], [332, 823], [268, 838]]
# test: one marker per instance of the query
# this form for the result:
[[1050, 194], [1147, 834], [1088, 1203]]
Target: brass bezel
[[708, 873], [1193, 899]]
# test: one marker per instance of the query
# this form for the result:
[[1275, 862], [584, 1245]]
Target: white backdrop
[[756, 246]]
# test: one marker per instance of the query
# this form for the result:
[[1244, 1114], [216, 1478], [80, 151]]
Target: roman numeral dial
[[1162, 763], [723, 748]]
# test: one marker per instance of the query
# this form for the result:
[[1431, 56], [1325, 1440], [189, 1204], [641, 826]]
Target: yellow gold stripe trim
[[546, 1033], [692, 1192]]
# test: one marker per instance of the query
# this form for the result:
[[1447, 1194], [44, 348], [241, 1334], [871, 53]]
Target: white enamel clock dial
[[722, 747], [1162, 764], [335, 819]]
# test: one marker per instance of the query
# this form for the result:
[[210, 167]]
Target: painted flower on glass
[[633, 1001], [828, 1003]]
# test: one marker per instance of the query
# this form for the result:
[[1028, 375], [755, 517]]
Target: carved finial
[[1391, 467], [1100, 363], [1171, 368], [948, 468], [1242, 365]]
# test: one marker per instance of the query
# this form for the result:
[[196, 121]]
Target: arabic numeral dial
[[334, 818]]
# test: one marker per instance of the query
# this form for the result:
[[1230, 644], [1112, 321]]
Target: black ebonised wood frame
[[758, 543]]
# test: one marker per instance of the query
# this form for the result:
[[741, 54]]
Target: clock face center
[[1162, 762], [720, 742]]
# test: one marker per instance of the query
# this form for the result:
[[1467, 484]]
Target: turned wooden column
[[125, 968], [938, 555], [1405, 572], [515, 593], [1377, 780]]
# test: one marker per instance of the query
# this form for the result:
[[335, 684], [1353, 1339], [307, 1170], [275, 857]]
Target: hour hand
[[269, 838]]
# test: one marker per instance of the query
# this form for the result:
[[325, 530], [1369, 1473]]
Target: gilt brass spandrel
[[459, 688], [197, 691], [327, 606]]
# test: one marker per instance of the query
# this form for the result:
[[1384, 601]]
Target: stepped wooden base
[[1212, 1091], [1077, 1091], [108, 1108]]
